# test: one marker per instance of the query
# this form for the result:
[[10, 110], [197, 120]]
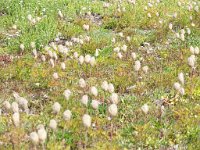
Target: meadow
[[100, 74]]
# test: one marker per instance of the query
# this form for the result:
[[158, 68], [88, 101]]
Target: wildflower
[[15, 107], [111, 88], [124, 48], [145, 108], [67, 93], [192, 49], [14, 27], [114, 98], [53, 124], [137, 65], [95, 104], [34, 138], [86, 27], [192, 61], [94, 91], [63, 66], [29, 17], [34, 52], [86, 120], [170, 26], [84, 100], [92, 61], [55, 75], [67, 115], [87, 58], [133, 55], [81, 60], [104, 85], [82, 83], [56, 107], [177, 86], [181, 78], [43, 58], [75, 55], [6, 105], [51, 61], [145, 69], [60, 14], [42, 134], [16, 119], [119, 55], [196, 50], [21, 47], [113, 110], [182, 91]]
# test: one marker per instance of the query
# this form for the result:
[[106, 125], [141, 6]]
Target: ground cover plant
[[97, 74]]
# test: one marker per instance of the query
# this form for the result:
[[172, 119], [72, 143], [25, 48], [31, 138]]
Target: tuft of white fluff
[[86, 120], [113, 110], [67, 115], [63, 66], [82, 83], [87, 58], [67, 93], [95, 104], [81, 59], [16, 119], [181, 78], [34, 138], [145, 108], [84, 99], [177, 86], [137, 65], [15, 107], [56, 108], [111, 88], [53, 124], [94, 91], [104, 85], [114, 98], [6, 105], [42, 134]]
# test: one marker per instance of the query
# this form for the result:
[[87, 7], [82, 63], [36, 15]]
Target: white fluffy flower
[[104, 85], [170, 26], [196, 50], [53, 124], [75, 55], [95, 104], [51, 61], [67, 115], [81, 59], [32, 44], [82, 83], [6, 105], [114, 98], [145, 69], [87, 58], [16, 119], [43, 58], [182, 91], [86, 120], [67, 93], [192, 61], [119, 55], [42, 134], [60, 14], [21, 47], [84, 99], [177, 86], [92, 61], [111, 88], [133, 55], [94, 91], [181, 78], [56, 107], [124, 48], [113, 110], [86, 27], [55, 75], [15, 107], [35, 53], [145, 108], [34, 138], [137, 65], [192, 49], [63, 66]]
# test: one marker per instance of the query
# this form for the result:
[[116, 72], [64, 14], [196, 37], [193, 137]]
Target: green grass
[[131, 128]]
